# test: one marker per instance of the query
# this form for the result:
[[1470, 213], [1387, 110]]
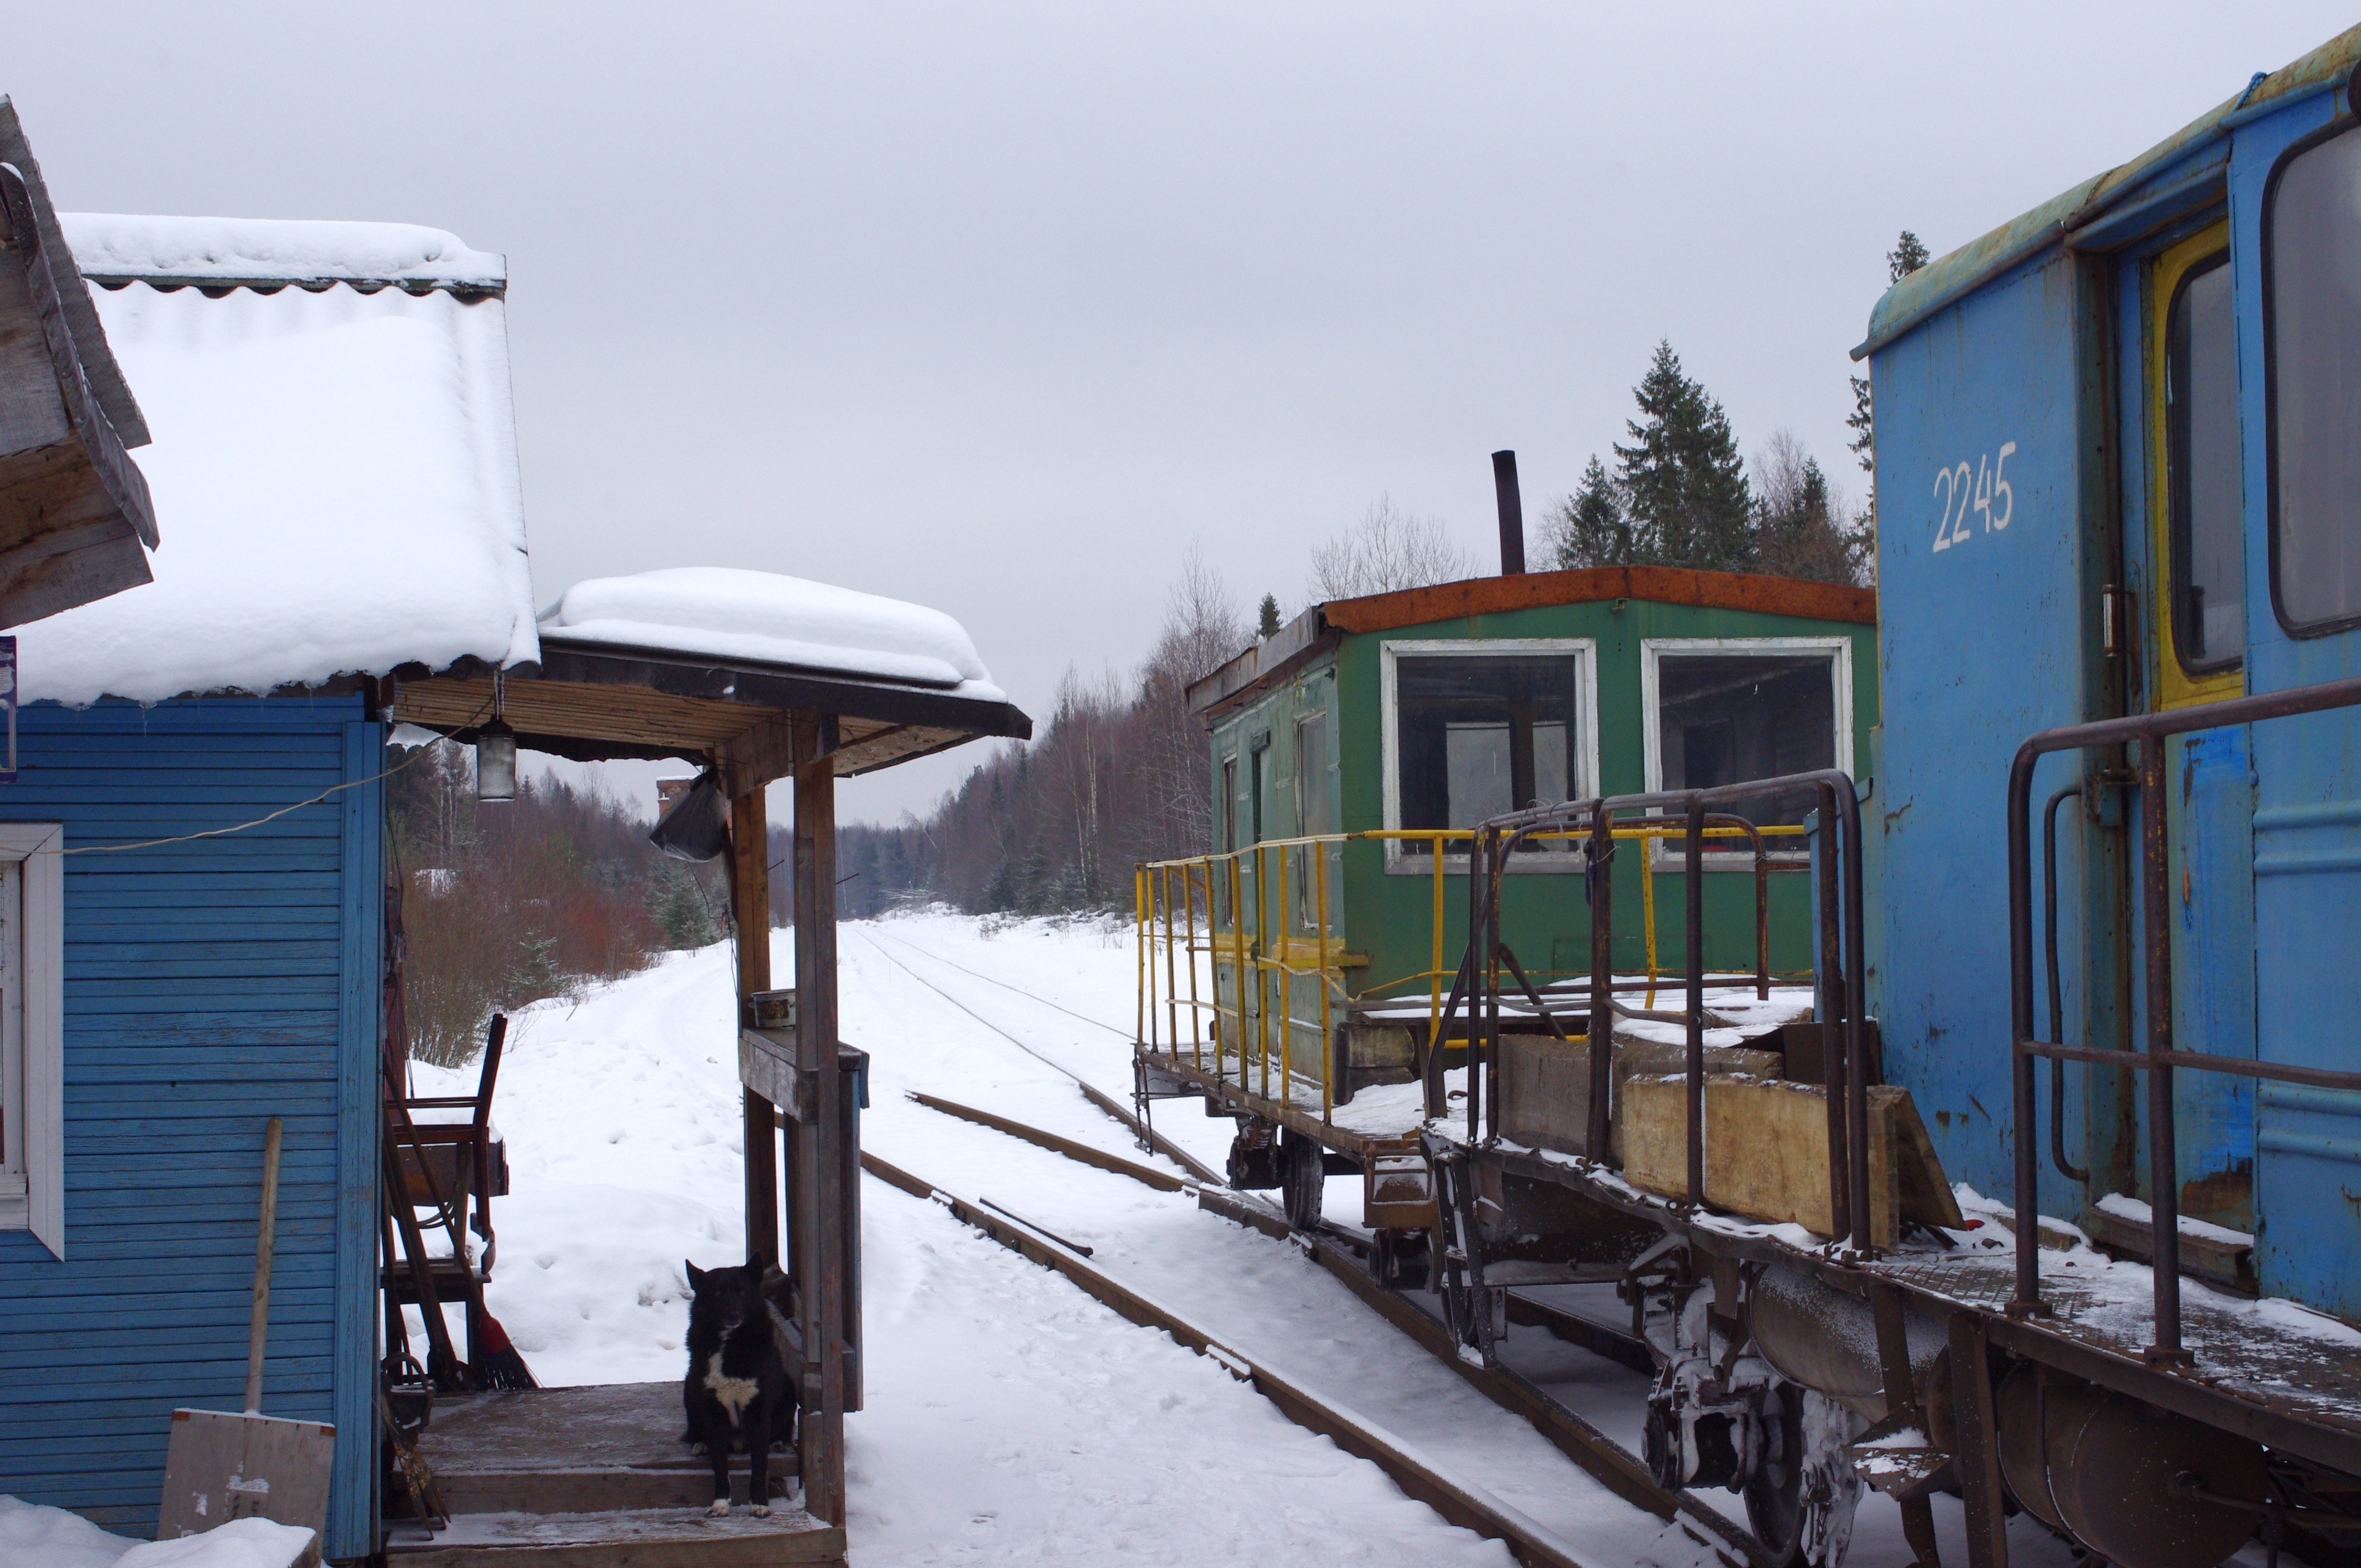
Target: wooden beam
[[749, 909], [820, 1188], [763, 751]]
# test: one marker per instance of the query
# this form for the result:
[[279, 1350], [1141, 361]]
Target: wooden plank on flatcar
[[1766, 1152]]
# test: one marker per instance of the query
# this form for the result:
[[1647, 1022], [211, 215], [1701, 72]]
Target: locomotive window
[[2311, 230], [1728, 712], [2204, 472], [1476, 730]]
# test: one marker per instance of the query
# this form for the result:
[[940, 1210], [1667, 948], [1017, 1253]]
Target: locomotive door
[[2199, 640]]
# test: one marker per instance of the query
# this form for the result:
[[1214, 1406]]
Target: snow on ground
[[36, 1536], [1010, 1417]]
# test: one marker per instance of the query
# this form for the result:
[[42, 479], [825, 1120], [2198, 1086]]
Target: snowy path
[[1011, 1417]]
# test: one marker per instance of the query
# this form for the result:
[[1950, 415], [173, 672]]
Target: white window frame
[[1406, 858], [35, 1200], [1652, 653]]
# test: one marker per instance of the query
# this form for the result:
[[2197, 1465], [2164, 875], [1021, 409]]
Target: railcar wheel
[[1775, 1493], [1305, 1176]]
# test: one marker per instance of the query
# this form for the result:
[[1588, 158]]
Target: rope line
[[224, 832]]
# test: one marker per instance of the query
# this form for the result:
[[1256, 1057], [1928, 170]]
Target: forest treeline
[[506, 903]]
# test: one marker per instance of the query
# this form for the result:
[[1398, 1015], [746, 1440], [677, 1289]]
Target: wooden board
[[750, 738], [565, 1450], [222, 1466], [650, 1538], [1766, 1152], [1545, 1092], [1545, 1085]]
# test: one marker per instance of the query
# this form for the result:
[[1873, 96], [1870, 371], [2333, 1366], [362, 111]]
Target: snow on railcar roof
[[765, 618], [109, 247], [339, 464]]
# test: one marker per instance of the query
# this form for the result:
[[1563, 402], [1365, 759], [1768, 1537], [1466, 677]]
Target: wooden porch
[[593, 1477], [601, 1477]]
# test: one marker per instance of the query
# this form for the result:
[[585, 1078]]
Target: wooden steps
[[564, 1451], [594, 1477], [635, 1537]]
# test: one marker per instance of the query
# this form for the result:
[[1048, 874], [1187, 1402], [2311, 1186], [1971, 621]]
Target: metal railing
[[2159, 1060], [1842, 966], [1218, 890]]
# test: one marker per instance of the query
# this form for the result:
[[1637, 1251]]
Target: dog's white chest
[[735, 1393]]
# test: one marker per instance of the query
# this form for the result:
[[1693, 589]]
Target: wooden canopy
[[754, 723], [75, 521], [594, 702]]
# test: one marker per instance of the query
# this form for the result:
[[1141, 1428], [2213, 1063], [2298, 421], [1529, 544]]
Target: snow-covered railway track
[[1419, 1475], [1090, 1091], [1333, 1248]]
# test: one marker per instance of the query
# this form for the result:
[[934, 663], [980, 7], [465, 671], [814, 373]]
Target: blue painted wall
[[209, 985], [2307, 846], [1992, 638], [1980, 638]]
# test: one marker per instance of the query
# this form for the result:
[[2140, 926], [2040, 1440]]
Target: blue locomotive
[[2088, 928]]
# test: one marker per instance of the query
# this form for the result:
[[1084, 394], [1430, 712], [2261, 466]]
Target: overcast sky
[[997, 307]]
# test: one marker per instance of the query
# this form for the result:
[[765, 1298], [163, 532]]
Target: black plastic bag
[[697, 826]]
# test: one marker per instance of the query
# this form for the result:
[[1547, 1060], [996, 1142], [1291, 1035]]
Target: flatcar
[[2052, 1203]]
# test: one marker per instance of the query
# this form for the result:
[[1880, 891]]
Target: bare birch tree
[[1391, 550]]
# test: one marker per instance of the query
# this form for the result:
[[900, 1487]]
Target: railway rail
[[1340, 1252]]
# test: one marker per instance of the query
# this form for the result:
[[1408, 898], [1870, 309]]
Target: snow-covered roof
[[338, 467], [113, 246], [765, 618]]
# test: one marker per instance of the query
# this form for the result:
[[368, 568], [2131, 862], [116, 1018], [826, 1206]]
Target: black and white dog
[[736, 1391]]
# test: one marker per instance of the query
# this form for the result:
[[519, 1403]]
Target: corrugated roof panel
[[340, 477]]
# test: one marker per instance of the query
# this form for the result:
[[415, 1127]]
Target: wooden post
[[750, 912], [820, 1174], [1977, 1449]]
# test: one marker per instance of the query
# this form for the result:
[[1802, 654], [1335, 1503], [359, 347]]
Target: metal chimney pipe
[[1512, 513]]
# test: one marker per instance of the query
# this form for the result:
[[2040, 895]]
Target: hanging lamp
[[496, 750]]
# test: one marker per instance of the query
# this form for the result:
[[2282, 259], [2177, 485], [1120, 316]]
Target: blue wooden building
[[189, 873]]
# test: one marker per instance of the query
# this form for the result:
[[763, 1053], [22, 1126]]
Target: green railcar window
[[2311, 229], [1726, 718], [1480, 736], [2204, 472]]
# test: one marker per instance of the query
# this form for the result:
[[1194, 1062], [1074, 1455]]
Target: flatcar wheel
[[1774, 1494], [1306, 1179]]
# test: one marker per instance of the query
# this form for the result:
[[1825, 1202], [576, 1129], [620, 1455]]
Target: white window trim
[[41, 1208], [1654, 648], [1404, 860]]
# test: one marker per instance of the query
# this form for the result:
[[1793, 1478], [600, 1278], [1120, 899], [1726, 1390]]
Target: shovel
[[222, 1466]]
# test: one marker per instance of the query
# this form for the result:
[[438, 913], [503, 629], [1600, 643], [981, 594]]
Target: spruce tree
[[1683, 481], [1266, 617], [1590, 527], [1907, 256]]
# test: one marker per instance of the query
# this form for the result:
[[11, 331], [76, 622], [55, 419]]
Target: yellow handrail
[[1259, 955]]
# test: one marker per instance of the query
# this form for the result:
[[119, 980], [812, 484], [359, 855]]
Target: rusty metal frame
[[2160, 1058], [1841, 949]]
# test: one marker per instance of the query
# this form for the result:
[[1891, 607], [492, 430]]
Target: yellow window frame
[[2174, 687]]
